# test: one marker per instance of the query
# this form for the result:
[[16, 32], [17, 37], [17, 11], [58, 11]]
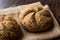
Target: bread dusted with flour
[[35, 18], [9, 28]]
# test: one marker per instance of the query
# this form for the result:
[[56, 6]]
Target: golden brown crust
[[35, 18], [9, 28], [27, 10]]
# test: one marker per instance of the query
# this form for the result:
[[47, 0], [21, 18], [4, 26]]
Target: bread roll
[[35, 18], [9, 28]]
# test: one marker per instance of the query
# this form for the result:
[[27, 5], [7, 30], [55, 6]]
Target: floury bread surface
[[33, 36], [9, 28], [35, 18]]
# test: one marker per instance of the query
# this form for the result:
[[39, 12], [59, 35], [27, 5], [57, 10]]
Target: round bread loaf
[[9, 28], [35, 18]]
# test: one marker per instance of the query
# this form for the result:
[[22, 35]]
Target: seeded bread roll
[[9, 28], [35, 18]]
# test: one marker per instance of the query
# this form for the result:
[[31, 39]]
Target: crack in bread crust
[[35, 18]]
